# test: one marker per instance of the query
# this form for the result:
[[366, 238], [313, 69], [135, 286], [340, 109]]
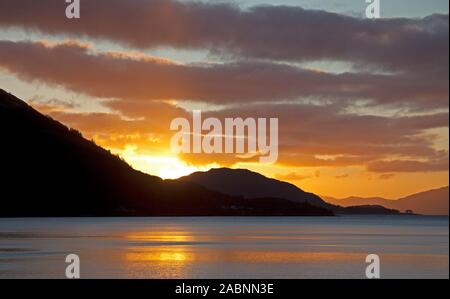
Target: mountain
[[48, 169], [249, 184], [354, 201], [431, 202], [370, 210]]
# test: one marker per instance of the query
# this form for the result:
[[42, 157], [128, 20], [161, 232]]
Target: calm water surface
[[220, 247]]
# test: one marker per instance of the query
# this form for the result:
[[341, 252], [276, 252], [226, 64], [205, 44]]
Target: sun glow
[[166, 166]]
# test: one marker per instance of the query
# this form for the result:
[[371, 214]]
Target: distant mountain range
[[249, 184], [432, 202]]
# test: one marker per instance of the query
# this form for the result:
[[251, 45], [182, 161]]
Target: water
[[220, 247]]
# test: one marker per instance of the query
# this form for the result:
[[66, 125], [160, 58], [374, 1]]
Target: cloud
[[386, 176], [148, 132], [322, 136], [409, 165], [327, 119], [310, 136], [293, 176], [282, 33], [130, 76], [47, 106], [342, 176]]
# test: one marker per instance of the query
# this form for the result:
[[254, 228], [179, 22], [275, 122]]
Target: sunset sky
[[362, 104]]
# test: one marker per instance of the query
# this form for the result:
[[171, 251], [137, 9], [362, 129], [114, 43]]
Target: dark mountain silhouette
[[249, 184], [48, 169], [431, 202], [370, 210], [243, 182]]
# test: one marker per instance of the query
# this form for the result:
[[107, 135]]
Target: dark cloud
[[269, 32], [409, 165], [131, 76]]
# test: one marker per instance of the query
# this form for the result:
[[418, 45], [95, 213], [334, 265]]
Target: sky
[[362, 104]]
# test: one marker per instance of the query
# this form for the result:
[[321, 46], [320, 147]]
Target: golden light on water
[[169, 250], [172, 256], [182, 255], [162, 250], [178, 247], [160, 237], [159, 254]]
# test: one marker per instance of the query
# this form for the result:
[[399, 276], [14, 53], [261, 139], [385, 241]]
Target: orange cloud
[[386, 176], [307, 139], [293, 176]]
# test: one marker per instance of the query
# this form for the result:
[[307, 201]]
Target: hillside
[[249, 184], [243, 182], [51, 170]]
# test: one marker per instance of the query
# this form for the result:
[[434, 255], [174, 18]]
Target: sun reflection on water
[[175, 236], [159, 254]]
